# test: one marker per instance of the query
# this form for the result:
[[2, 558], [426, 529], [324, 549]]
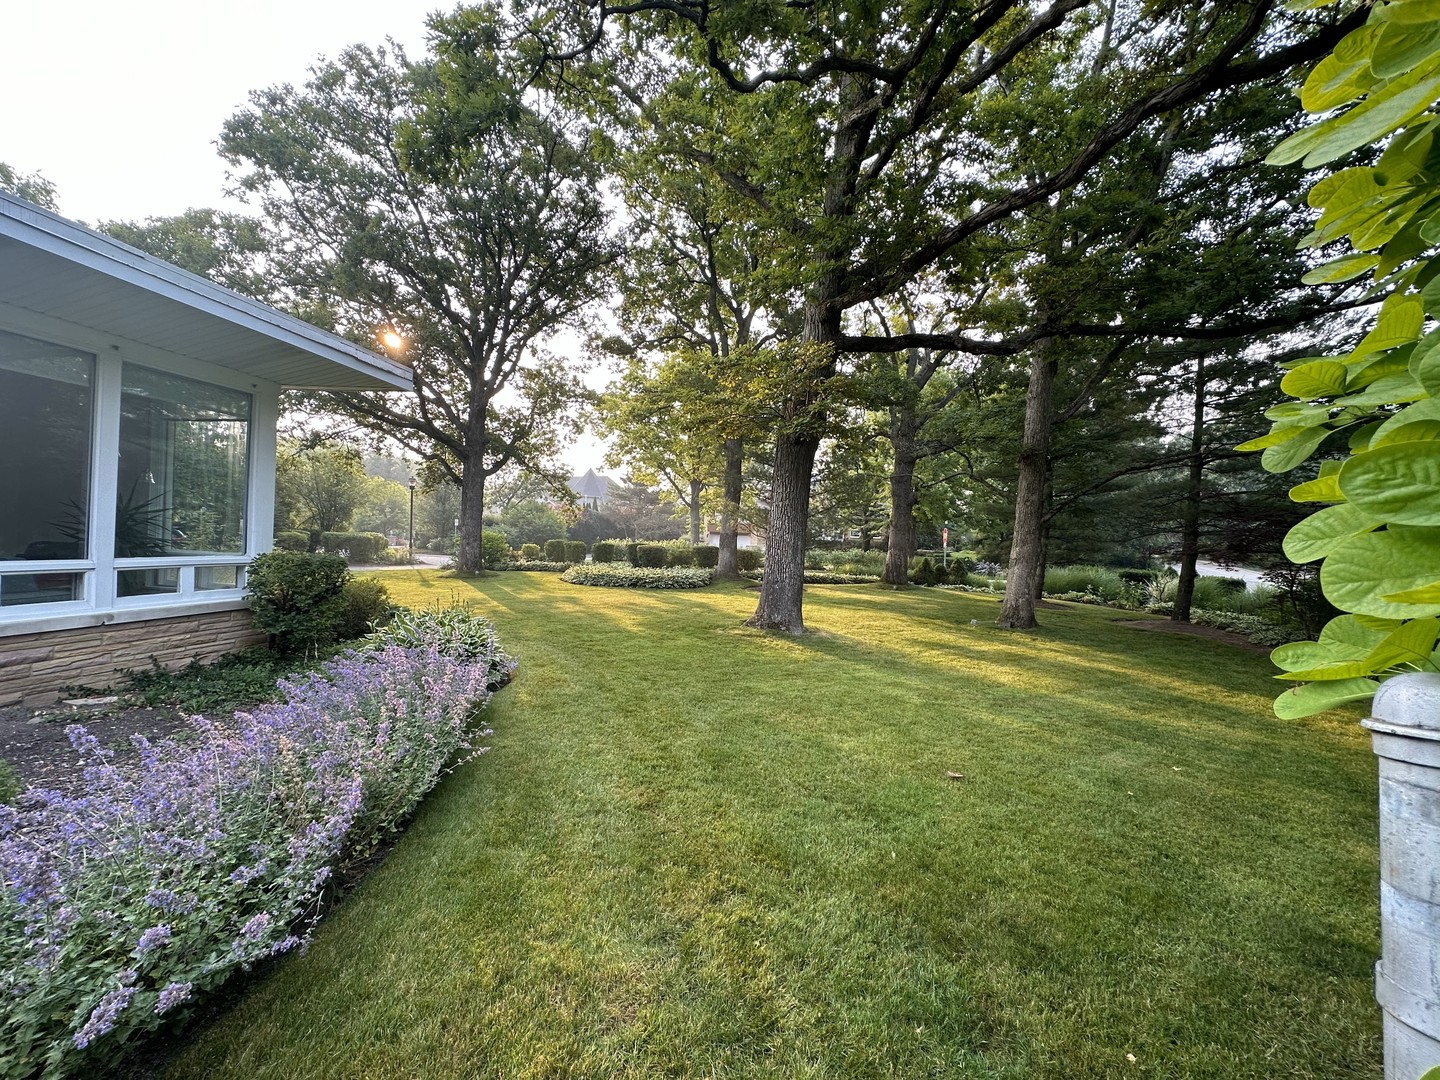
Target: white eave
[[65, 271]]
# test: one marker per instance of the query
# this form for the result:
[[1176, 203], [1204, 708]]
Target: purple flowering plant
[[158, 878]]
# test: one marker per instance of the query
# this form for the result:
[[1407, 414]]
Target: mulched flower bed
[[34, 739]]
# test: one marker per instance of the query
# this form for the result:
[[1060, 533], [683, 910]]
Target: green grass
[[700, 850]]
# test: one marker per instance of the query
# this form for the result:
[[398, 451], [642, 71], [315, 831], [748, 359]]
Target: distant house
[[592, 490], [744, 538], [137, 451]]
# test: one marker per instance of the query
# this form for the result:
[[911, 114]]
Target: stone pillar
[[1405, 725]]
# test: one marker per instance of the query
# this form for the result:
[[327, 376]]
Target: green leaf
[[1425, 594], [1287, 455], [1425, 364], [1360, 438], [1317, 697], [1400, 321], [1316, 536], [1369, 566], [1321, 489], [1343, 75], [1318, 379], [1400, 47], [1412, 11], [1300, 655], [1357, 633], [1343, 191], [1345, 268], [1284, 431], [1381, 113], [1400, 388], [1332, 672], [1420, 431], [1428, 409], [1397, 483], [1395, 103], [1410, 643]]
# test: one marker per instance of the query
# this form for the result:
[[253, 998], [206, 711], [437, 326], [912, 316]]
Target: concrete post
[[1405, 726]]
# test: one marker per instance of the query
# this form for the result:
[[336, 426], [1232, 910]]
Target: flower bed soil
[[34, 740]]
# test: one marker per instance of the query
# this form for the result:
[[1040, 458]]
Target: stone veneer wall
[[33, 667]]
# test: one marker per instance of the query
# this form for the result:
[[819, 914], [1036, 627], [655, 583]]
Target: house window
[[44, 481], [84, 435], [183, 476]]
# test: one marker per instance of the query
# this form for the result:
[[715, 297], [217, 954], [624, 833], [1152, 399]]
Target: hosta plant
[[1374, 412]]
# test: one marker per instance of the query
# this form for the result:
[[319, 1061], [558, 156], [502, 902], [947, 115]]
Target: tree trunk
[[902, 503], [1190, 505], [472, 514], [1025, 575], [728, 568], [782, 587], [695, 486]]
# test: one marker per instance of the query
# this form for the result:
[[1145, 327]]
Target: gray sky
[[119, 104]]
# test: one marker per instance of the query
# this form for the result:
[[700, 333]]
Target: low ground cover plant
[[622, 576], [544, 566], [122, 903]]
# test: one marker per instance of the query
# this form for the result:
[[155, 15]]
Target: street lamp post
[[410, 543]]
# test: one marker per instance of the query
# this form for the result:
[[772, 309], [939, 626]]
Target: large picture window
[[183, 469], [44, 481]]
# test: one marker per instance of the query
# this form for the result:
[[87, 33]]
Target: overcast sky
[[119, 104]]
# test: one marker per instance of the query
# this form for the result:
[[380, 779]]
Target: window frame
[[99, 602]]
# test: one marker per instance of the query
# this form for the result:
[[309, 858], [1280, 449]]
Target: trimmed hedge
[[359, 547], [555, 551], [296, 598], [706, 556], [292, 540], [651, 556], [495, 553], [604, 551], [575, 551], [678, 556], [822, 577], [618, 576], [530, 552], [749, 559], [539, 565], [632, 552]]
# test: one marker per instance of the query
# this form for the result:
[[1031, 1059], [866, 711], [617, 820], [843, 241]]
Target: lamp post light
[[410, 543]]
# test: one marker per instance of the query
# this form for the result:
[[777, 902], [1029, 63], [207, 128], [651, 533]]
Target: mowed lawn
[[699, 850]]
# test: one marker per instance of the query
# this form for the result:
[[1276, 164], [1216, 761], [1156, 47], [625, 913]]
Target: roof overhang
[[62, 270]]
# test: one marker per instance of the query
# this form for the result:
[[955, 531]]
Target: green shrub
[[296, 597], [495, 551], [530, 552], [847, 561], [237, 681], [632, 552], [555, 551], [652, 556], [824, 577], [613, 576], [292, 540], [1132, 576], [1259, 631], [1100, 580], [924, 573], [749, 559], [365, 607], [538, 565], [675, 556], [359, 547], [604, 551], [706, 557], [575, 551], [453, 629]]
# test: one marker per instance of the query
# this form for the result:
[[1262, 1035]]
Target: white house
[[744, 538], [137, 451]]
